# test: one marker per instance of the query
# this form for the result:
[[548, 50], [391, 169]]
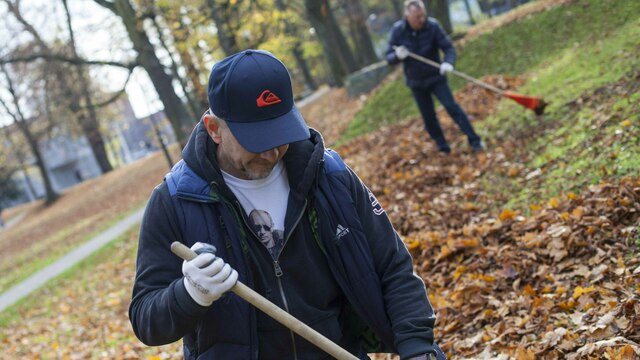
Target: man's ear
[[213, 128]]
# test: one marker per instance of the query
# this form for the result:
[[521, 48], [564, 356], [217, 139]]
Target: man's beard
[[257, 174]]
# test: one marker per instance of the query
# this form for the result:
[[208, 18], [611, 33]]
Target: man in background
[[418, 34]]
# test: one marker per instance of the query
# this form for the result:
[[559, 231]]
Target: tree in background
[[68, 95], [365, 54], [13, 108], [439, 9], [174, 108], [9, 190], [336, 49], [289, 29]]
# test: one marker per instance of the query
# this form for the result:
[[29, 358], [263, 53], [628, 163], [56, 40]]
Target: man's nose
[[270, 155]]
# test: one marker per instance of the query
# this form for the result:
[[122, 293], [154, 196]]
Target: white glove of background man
[[445, 67], [206, 279], [401, 52]]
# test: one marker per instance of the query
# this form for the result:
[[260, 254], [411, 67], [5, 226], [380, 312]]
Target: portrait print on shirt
[[262, 225]]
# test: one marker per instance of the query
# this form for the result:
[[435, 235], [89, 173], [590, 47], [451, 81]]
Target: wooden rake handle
[[457, 73], [274, 311]]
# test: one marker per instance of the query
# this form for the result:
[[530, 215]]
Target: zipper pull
[[276, 266]]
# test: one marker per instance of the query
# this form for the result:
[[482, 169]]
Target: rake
[[534, 103]]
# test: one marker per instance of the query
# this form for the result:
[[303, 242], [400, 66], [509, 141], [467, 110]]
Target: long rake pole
[[274, 311], [530, 102]]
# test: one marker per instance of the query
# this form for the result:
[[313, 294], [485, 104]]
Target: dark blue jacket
[[426, 42], [355, 286]]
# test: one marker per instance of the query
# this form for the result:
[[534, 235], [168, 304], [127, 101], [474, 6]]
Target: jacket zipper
[[279, 273], [278, 270]]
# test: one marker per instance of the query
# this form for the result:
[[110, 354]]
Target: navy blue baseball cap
[[252, 92]]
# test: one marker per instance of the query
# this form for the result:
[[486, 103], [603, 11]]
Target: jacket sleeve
[[411, 315], [161, 310], [394, 40], [444, 42]]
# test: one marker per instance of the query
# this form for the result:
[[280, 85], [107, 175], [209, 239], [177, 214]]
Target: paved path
[[38, 279]]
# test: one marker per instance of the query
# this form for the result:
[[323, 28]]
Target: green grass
[[565, 50], [25, 265], [105, 254]]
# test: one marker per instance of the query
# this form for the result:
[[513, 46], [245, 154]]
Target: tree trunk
[[398, 8], [365, 53], [485, 7], [439, 9], [89, 125], [174, 108], [333, 42], [181, 34], [23, 125], [303, 66], [226, 35], [296, 50], [21, 164], [467, 7], [195, 111]]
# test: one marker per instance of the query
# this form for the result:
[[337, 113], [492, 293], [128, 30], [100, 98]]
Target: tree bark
[[194, 108], [398, 8], [440, 10], [296, 50], [181, 34], [174, 108], [89, 124], [21, 122], [226, 35], [365, 53], [467, 7], [334, 44]]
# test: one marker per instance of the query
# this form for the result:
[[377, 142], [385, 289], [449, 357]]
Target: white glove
[[207, 278], [445, 67], [401, 52]]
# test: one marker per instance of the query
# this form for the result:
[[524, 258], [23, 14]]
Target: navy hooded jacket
[[426, 42], [343, 270]]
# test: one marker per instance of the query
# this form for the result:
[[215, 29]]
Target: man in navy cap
[[335, 262]]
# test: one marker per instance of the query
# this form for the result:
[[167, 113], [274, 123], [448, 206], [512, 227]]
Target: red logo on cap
[[267, 98]]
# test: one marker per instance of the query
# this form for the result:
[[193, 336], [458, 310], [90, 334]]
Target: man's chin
[[258, 174]]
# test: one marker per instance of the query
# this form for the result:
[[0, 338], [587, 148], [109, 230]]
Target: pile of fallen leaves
[[561, 283]]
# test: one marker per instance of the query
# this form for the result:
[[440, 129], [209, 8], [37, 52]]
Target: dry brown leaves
[[82, 209], [84, 317], [561, 283]]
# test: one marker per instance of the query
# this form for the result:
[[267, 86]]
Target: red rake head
[[534, 103]]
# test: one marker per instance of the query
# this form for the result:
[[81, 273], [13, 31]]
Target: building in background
[[69, 159]]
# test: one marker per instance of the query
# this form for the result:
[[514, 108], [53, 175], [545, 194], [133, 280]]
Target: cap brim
[[260, 136]]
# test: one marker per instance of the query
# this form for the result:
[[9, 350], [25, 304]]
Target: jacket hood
[[302, 161]]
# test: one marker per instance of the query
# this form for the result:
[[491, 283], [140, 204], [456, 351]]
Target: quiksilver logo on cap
[[267, 98]]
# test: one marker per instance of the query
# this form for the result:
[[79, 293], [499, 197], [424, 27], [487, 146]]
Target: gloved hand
[[445, 67], [206, 277], [401, 52]]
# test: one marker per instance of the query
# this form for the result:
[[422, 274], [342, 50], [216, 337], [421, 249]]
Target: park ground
[[529, 250]]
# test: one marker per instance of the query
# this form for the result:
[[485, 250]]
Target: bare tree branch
[[116, 95], [71, 60], [107, 4]]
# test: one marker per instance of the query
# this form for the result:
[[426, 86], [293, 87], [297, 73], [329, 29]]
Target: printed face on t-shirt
[[262, 225]]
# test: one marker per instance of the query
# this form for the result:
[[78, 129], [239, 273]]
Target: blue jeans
[[424, 101]]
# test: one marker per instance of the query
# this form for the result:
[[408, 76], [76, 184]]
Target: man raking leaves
[[293, 225]]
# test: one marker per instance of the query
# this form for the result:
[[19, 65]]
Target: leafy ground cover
[[530, 250], [83, 211]]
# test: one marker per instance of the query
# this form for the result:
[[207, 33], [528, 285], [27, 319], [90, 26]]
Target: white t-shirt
[[265, 203]]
